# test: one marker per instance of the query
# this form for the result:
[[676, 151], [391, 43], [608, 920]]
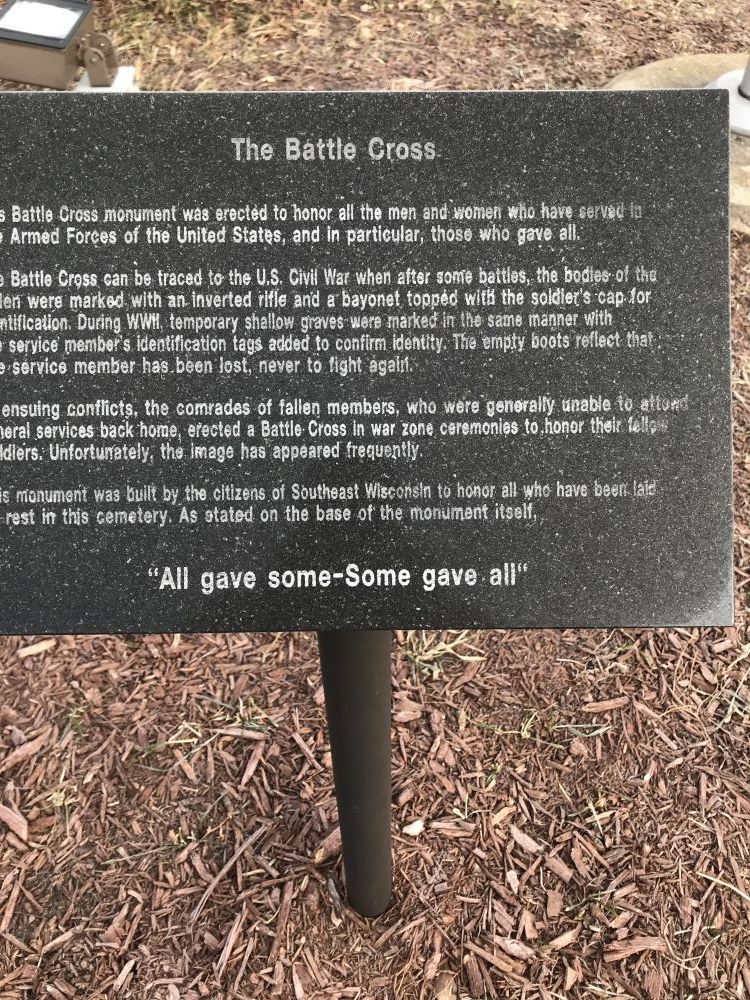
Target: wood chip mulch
[[571, 809]]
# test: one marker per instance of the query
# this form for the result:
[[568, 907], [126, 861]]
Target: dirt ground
[[571, 809]]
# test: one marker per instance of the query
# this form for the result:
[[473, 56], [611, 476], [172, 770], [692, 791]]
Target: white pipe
[[745, 82]]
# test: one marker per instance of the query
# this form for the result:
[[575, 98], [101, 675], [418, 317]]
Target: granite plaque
[[284, 361]]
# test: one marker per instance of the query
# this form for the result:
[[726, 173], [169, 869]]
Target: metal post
[[744, 87], [737, 82], [357, 684]]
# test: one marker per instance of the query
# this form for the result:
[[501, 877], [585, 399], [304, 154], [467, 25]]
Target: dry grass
[[411, 44], [584, 797]]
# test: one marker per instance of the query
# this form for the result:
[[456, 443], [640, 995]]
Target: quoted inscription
[[352, 576]]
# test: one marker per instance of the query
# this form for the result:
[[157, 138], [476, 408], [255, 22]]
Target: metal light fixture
[[46, 42]]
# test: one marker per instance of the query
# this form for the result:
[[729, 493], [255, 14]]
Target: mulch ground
[[571, 809]]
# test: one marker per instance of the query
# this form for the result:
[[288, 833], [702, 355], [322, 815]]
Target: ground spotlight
[[46, 42]]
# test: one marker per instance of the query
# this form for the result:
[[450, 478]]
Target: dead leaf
[[16, 736], [407, 711], [445, 986], [514, 948], [414, 829]]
